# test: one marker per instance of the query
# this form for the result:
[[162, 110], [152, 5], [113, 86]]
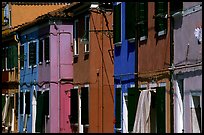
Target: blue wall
[[124, 60], [28, 75]]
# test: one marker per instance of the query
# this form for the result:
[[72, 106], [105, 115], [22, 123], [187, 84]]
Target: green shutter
[[32, 53], [3, 101], [11, 104], [130, 19], [133, 96], [8, 58], [84, 106], [160, 107], [117, 24], [15, 56], [21, 56], [40, 118], [3, 58], [74, 106], [47, 49], [161, 8], [27, 101], [118, 108], [16, 101], [46, 102], [143, 19], [41, 51]]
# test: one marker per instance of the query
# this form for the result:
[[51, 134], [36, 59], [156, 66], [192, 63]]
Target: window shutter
[[76, 46], [16, 101], [9, 58], [162, 9], [74, 106], [143, 18], [46, 102], [32, 53], [3, 58], [87, 27], [133, 96], [160, 107], [21, 102], [27, 101], [118, 108], [11, 104], [3, 101], [21, 56], [15, 56], [40, 51], [117, 23], [84, 106], [130, 9], [40, 112], [47, 49]]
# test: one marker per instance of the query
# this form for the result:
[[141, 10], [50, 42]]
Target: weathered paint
[[192, 77]]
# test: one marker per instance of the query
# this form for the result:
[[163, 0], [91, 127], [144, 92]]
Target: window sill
[[118, 44], [76, 55], [40, 63], [86, 52], [131, 40], [161, 33], [47, 61], [34, 66], [143, 38]]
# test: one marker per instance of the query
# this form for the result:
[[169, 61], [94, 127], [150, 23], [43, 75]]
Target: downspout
[[171, 73]]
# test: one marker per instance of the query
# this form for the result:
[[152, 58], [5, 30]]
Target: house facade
[[92, 94], [188, 69], [142, 49], [46, 73]]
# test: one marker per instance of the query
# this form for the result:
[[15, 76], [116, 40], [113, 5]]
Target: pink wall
[[66, 72]]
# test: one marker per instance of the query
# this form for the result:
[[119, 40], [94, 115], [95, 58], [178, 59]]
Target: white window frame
[[85, 29], [33, 41], [76, 52]]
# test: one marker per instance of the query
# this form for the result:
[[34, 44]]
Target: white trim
[[132, 85], [162, 84], [143, 38], [86, 85], [131, 40], [161, 33], [143, 85], [76, 87], [118, 86], [152, 85]]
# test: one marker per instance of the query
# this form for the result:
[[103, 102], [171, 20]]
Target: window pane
[[87, 27], [117, 23], [84, 106], [40, 117], [16, 101], [47, 49], [74, 106], [46, 102], [27, 101], [143, 19], [21, 102], [3, 58], [9, 58], [118, 108], [15, 56], [40, 50]]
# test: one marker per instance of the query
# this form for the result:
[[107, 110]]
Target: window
[[22, 56], [136, 18], [117, 24], [40, 51], [76, 44], [6, 15], [32, 54], [47, 49], [86, 37], [196, 117], [9, 58], [74, 106], [14, 56], [3, 60], [84, 106], [21, 102], [161, 9]]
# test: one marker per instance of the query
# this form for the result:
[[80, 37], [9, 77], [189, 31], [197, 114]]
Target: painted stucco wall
[[125, 59], [59, 112], [188, 51]]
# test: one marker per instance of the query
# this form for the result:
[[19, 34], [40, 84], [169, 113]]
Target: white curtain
[[34, 103], [5, 110], [142, 118], [125, 116], [178, 110]]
